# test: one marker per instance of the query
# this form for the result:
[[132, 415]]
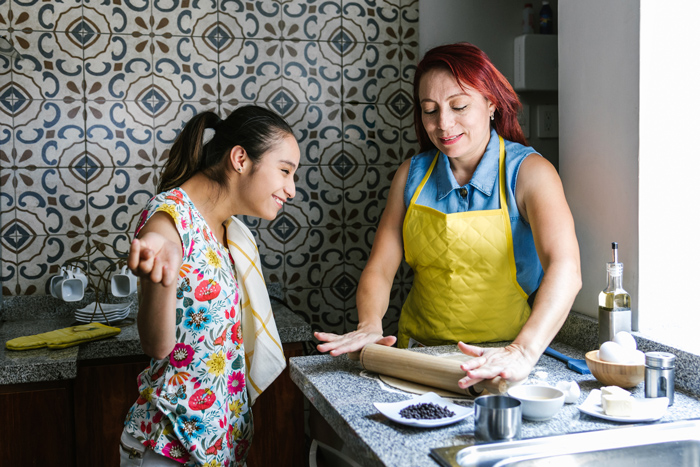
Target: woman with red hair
[[481, 218]]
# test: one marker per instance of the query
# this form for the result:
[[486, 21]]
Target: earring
[[240, 170], [492, 117]]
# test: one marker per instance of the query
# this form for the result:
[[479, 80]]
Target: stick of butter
[[611, 390], [618, 406]]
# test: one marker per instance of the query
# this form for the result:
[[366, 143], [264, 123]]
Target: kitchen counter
[[344, 394], [24, 316]]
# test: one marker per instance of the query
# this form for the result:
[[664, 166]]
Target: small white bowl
[[538, 402]]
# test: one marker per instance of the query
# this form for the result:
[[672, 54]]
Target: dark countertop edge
[[43, 365]]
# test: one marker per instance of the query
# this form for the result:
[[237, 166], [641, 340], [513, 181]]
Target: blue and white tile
[[116, 131], [410, 10], [311, 20], [319, 198], [50, 134], [244, 71], [286, 98], [189, 19], [390, 321], [316, 255], [185, 68], [313, 71], [133, 18], [123, 70], [7, 109], [369, 75], [11, 237], [4, 15], [367, 133], [39, 257], [271, 248], [258, 20], [55, 67], [365, 194], [43, 16], [8, 274], [318, 130], [115, 198], [358, 244], [55, 203], [319, 307], [373, 20]]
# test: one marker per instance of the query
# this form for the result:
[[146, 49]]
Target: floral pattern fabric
[[193, 405]]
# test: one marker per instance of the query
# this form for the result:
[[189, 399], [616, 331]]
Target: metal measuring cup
[[497, 418]]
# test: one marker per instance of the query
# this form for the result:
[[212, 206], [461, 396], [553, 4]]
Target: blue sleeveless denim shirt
[[442, 193]]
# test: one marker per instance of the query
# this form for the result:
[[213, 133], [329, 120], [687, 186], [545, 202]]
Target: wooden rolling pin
[[429, 370]]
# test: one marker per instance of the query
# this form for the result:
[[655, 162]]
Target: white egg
[[571, 391], [626, 340], [613, 352]]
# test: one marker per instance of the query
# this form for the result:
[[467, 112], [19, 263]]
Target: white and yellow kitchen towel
[[264, 356]]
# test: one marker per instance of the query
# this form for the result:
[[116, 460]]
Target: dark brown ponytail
[[254, 128]]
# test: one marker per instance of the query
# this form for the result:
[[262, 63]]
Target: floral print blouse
[[193, 404]]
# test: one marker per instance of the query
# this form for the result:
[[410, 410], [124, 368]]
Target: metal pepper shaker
[[659, 375]]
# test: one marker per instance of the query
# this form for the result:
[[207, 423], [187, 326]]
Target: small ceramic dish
[[538, 402]]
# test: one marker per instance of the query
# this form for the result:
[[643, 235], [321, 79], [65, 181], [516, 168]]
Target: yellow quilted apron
[[465, 286]]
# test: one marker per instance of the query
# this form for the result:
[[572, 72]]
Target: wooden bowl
[[614, 374]]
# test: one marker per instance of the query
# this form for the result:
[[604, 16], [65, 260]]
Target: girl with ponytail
[[194, 407]]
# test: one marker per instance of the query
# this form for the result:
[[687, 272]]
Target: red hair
[[471, 67]]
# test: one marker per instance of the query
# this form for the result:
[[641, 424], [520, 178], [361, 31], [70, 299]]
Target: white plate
[[646, 410], [391, 411], [106, 307]]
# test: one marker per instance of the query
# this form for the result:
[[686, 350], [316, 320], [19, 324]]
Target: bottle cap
[[660, 359]]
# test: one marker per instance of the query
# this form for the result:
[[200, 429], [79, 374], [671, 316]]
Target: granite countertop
[[344, 394], [24, 316]]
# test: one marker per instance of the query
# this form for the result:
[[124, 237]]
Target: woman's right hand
[[338, 344], [155, 257]]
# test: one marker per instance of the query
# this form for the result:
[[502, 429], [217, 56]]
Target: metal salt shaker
[[659, 375]]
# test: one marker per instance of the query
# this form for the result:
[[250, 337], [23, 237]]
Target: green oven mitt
[[62, 338]]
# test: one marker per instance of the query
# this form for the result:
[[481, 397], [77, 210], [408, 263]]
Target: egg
[[571, 391], [626, 340], [613, 352]]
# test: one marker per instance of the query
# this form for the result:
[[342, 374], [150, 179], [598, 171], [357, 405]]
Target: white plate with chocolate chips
[[427, 411]]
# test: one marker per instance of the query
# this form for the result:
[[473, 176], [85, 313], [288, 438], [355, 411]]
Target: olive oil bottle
[[614, 303]]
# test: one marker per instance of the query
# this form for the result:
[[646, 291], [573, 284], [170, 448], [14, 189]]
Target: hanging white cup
[[78, 273], [54, 280], [123, 283], [69, 288]]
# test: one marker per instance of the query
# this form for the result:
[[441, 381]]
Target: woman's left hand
[[510, 363]]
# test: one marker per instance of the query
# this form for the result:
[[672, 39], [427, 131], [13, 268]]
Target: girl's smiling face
[[456, 118], [270, 183]]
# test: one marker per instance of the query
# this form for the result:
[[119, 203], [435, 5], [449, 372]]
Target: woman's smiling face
[[456, 118], [271, 182]]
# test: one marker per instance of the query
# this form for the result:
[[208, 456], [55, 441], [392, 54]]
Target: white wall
[[669, 162], [599, 135]]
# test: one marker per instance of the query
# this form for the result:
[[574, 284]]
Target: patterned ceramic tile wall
[[103, 87]]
